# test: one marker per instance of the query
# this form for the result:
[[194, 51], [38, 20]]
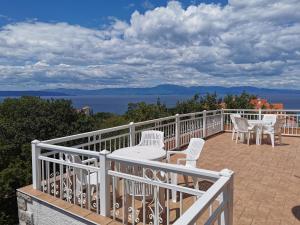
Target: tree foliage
[[21, 121], [142, 111], [242, 101]]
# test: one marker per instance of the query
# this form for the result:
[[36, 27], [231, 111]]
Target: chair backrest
[[269, 118], [242, 124], [194, 150], [232, 117], [80, 174], [152, 138]]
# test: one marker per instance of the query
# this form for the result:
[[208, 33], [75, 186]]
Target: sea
[[119, 103]]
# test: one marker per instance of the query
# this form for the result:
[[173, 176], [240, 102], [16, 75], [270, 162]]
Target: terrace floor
[[267, 180]]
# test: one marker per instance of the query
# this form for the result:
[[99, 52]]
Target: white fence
[[92, 183], [80, 170], [96, 176], [177, 129], [290, 128]]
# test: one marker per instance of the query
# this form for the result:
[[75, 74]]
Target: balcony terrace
[[265, 188]]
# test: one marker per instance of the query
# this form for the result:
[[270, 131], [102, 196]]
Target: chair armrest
[[91, 160], [169, 153]]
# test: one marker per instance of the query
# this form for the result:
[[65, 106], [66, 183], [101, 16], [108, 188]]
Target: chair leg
[[280, 138], [237, 137], [186, 180], [196, 183], [248, 141], [233, 133], [272, 136]]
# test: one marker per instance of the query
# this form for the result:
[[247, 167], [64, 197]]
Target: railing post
[[204, 123], [227, 218], [259, 114], [222, 119], [177, 131], [36, 165], [132, 133], [104, 189]]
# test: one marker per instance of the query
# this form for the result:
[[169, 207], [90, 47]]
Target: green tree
[[142, 111], [242, 101], [21, 121], [105, 120], [189, 105], [198, 103], [210, 101]]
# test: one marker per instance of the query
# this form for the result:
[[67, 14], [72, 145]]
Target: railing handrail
[[63, 162], [144, 180], [264, 110], [205, 174], [199, 207], [64, 149], [83, 135]]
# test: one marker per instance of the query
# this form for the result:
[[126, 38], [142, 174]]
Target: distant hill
[[167, 89], [30, 93]]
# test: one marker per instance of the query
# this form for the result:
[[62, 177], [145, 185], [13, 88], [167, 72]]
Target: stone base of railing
[[38, 208]]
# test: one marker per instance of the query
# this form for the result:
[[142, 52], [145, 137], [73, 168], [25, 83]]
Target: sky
[[120, 43]]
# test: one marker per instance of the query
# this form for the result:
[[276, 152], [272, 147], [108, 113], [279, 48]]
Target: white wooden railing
[[54, 175], [177, 129], [74, 182], [290, 128]]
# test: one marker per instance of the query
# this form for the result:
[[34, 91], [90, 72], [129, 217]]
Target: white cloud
[[243, 43]]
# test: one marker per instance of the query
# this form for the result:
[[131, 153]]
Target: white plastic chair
[[234, 129], [82, 177], [192, 153], [269, 119], [152, 138], [243, 128], [274, 130]]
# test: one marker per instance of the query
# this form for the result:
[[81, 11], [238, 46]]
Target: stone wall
[[35, 212]]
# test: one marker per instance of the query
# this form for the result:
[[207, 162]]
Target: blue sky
[[91, 13], [96, 44]]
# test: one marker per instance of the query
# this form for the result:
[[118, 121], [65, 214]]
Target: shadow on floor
[[296, 212]]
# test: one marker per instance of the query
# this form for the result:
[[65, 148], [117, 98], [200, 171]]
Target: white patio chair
[[82, 177], [192, 153], [274, 130], [244, 128], [269, 119], [232, 117], [152, 138]]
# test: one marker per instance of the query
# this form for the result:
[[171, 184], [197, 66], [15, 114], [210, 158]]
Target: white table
[[259, 124], [141, 152]]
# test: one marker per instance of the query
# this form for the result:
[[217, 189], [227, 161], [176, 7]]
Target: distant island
[[165, 89], [31, 93]]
